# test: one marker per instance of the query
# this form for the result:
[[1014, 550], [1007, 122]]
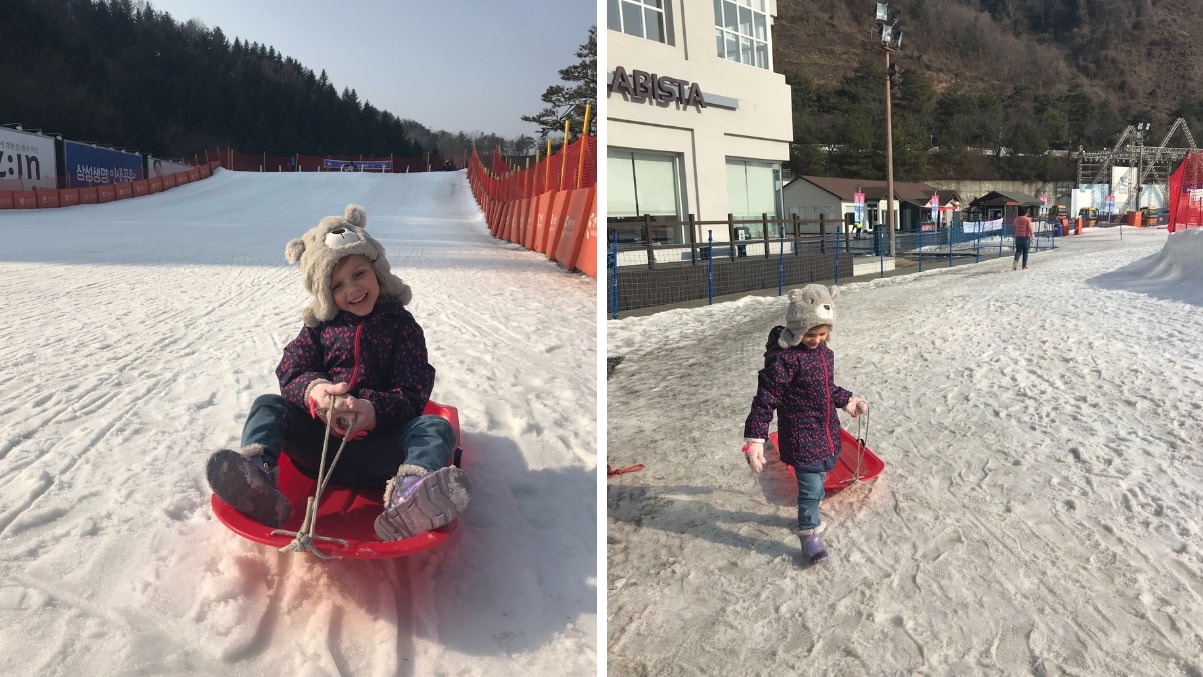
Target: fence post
[[780, 258], [647, 237], [693, 241], [881, 253], [823, 236], [797, 234], [950, 225], [764, 232], [920, 248], [731, 234], [822, 240], [614, 274], [710, 268]]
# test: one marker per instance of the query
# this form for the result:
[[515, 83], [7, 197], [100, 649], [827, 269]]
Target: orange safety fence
[[50, 198], [1186, 194], [298, 162], [550, 207]]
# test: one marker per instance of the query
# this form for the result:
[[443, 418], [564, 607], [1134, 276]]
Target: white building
[[697, 121]]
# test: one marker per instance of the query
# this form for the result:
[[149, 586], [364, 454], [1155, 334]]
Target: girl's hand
[[856, 406], [321, 394], [353, 411], [754, 451]]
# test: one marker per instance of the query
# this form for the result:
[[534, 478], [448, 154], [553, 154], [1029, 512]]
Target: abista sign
[[643, 85]]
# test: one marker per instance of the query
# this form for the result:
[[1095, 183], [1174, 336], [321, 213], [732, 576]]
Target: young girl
[[798, 383], [362, 350]]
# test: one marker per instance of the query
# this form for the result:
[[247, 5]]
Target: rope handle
[[862, 431], [611, 471], [304, 537]]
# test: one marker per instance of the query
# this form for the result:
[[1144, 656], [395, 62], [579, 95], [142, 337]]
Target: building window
[[754, 189], [741, 32], [639, 184], [641, 18]]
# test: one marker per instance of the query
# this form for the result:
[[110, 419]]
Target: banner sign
[[360, 165], [858, 207], [934, 203], [89, 166], [157, 167], [982, 226], [26, 160]]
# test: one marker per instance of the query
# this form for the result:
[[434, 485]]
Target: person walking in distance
[[1023, 238]]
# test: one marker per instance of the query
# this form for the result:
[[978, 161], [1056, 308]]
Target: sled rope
[[611, 471], [862, 431], [303, 538]]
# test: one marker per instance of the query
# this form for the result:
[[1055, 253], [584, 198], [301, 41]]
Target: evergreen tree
[[567, 102]]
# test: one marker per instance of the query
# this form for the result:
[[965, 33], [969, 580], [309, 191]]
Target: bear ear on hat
[[356, 215], [293, 250], [834, 291]]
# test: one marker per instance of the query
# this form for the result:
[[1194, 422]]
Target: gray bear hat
[[323, 246], [809, 307]]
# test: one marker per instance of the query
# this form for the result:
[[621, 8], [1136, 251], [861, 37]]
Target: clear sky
[[458, 65]]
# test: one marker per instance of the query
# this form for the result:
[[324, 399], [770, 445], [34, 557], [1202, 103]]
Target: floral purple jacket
[[799, 384], [382, 356]]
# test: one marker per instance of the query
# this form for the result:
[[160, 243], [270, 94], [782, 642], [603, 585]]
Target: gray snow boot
[[244, 479], [417, 500], [812, 548]]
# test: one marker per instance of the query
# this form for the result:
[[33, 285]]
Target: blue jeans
[[279, 425], [1021, 247], [810, 494]]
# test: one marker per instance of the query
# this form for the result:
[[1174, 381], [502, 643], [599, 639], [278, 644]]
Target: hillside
[[1138, 54], [1052, 75]]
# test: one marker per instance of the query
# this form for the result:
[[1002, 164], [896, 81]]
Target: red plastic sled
[[847, 470], [344, 512]]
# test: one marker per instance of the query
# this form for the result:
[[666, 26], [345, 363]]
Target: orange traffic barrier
[[555, 224], [586, 258], [87, 196], [6, 199], [25, 199], [106, 194], [575, 225], [156, 184], [537, 232], [124, 191], [68, 197], [141, 188], [48, 199]]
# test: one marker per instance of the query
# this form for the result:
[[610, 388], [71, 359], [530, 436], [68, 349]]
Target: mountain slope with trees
[[120, 73], [1026, 81]]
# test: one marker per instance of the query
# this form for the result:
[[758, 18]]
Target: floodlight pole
[[889, 153], [1141, 128]]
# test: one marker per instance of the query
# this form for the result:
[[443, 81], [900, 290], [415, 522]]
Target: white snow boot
[[417, 500]]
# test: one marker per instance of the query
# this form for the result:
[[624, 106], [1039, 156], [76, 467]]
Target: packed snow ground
[[1039, 512], [136, 335]]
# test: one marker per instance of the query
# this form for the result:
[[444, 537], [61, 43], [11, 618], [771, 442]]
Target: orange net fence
[[1186, 194], [572, 166], [389, 164], [548, 206]]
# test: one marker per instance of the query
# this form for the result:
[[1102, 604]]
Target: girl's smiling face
[[814, 336], [354, 285]]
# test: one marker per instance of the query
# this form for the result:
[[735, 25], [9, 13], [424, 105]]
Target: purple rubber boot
[[812, 547]]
